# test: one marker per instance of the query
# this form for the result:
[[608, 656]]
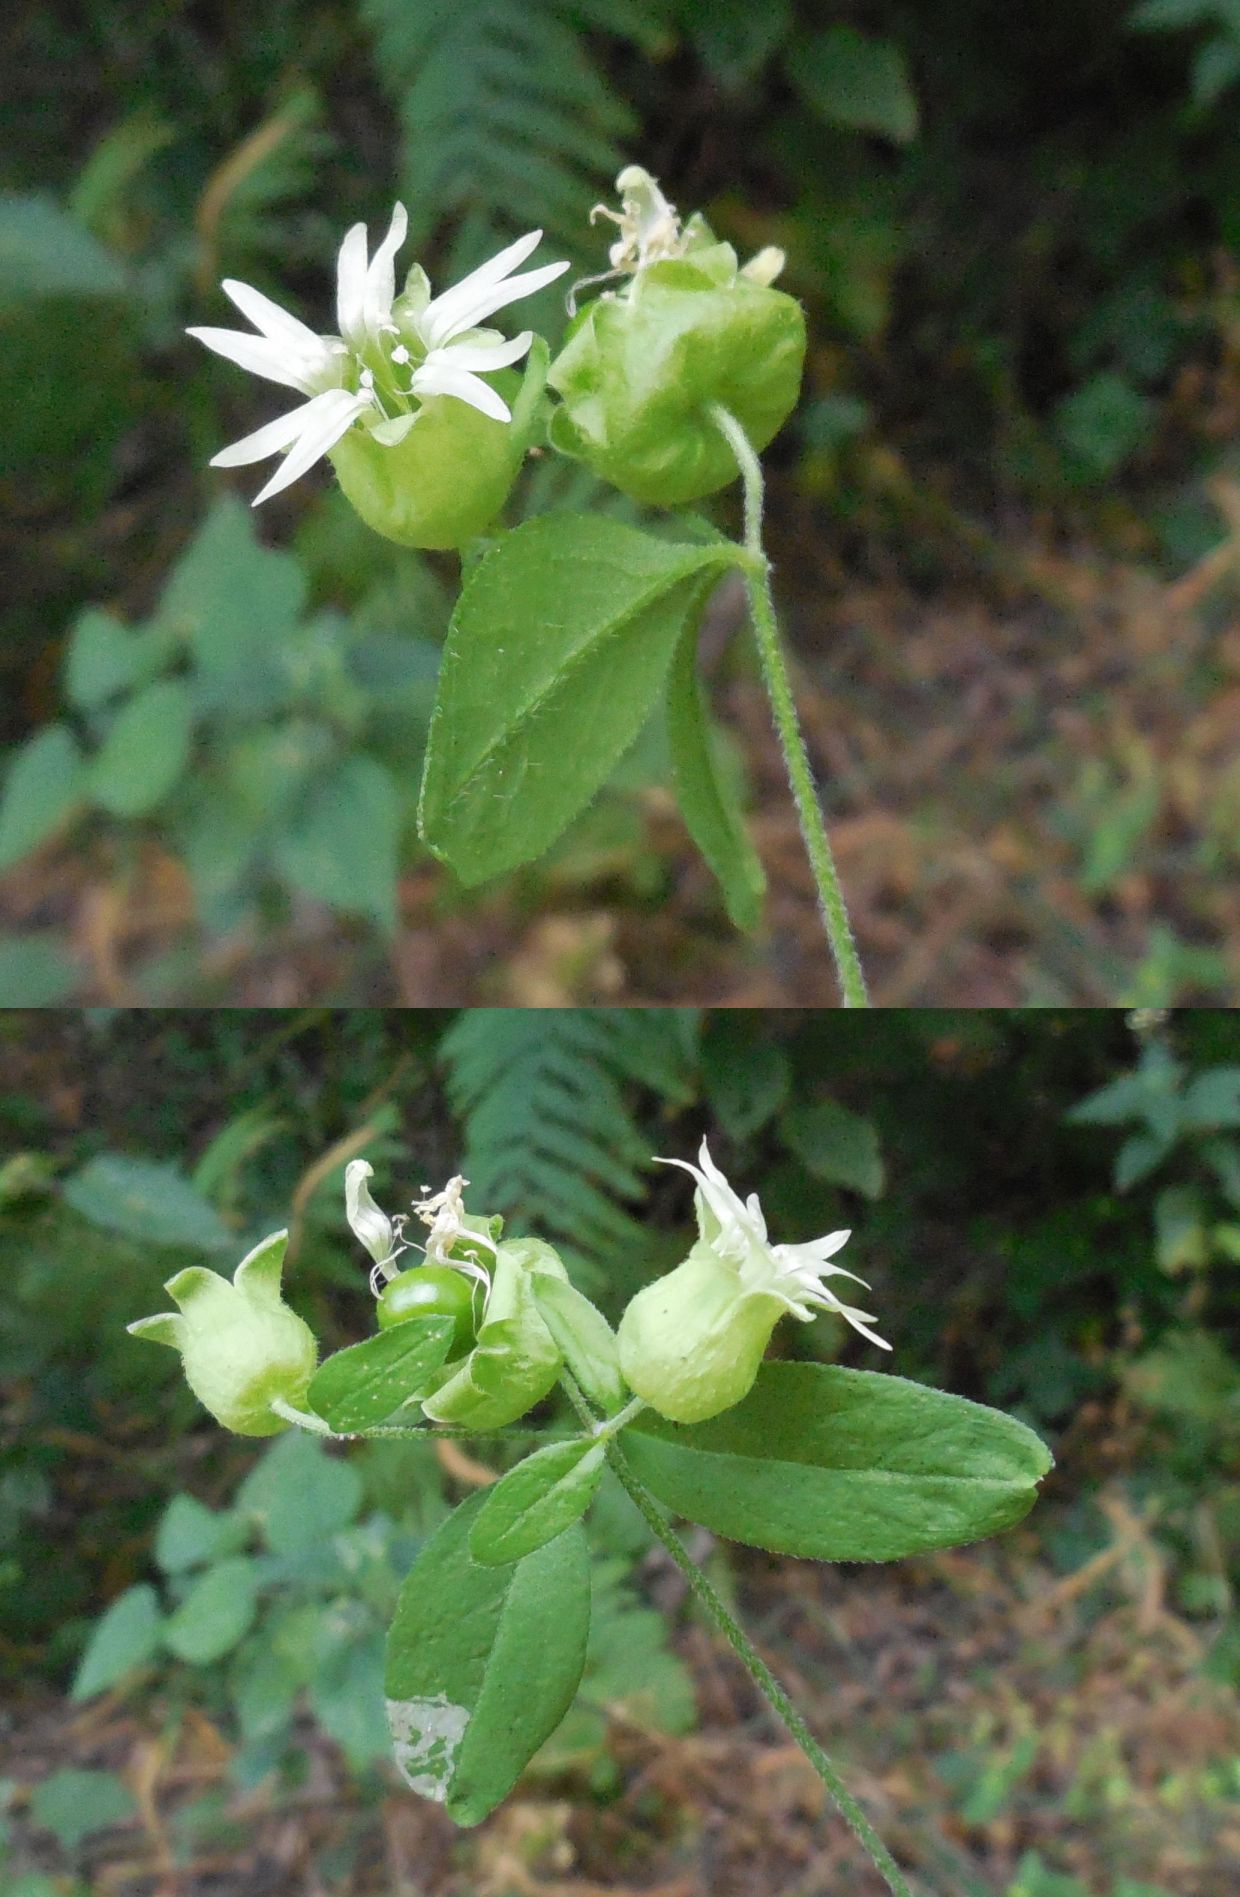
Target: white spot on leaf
[[426, 1737]]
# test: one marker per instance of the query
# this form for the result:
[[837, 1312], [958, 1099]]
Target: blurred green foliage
[[1008, 232]]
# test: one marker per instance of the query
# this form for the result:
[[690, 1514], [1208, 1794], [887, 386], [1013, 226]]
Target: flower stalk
[[831, 903]]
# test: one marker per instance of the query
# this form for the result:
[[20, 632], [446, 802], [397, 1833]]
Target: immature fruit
[[433, 1291], [639, 372]]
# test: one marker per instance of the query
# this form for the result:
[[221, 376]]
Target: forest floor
[[1005, 1723], [1030, 775]]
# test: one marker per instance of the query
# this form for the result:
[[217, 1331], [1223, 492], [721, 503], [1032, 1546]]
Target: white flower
[[391, 353], [735, 1230]]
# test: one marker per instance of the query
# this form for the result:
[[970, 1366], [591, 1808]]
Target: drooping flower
[[391, 354], [455, 1237], [692, 1342]]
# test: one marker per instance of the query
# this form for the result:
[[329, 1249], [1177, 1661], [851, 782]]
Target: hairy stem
[[743, 1647], [758, 1670], [831, 902]]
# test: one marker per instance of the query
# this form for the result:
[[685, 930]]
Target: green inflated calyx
[[642, 367], [241, 1346], [448, 478], [515, 1361], [691, 1343]]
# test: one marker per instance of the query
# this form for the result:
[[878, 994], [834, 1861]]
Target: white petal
[[441, 312], [315, 441], [259, 355], [485, 356], [367, 1222], [381, 276], [441, 380], [273, 435], [860, 1321], [351, 284], [268, 317], [486, 302]]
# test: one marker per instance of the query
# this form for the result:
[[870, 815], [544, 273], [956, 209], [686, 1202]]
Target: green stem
[[831, 902], [742, 1646], [758, 1671]]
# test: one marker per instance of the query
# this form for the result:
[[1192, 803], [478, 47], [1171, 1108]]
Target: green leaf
[[555, 656], [837, 1145], [45, 252], [706, 791], [341, 847], [365, 1383], [537, 1500], [73, 1805], [103, 658], [190, 1534], [860, 83], [1213, 1099], [233, 601], [36, 971], [145, 751], [1104, 422], [1216, 68], [346, 1697], [844, 1465], [482, 1663], [735, 39], [147, 1200], [125, 1637], [1138, 1157], [43, 788], [300, 1494], [746, 1074], [586, 1339], [217, 1612]]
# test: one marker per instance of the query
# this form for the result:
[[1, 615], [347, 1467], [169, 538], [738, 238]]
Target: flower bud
[[641, 367], [240, 1343], [515, 1360]]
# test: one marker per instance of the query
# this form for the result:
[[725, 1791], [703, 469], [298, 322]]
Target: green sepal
[[515, 1360], [448, 479], [164, 1328], [691, 1343], [638, 373], [586, 1339]]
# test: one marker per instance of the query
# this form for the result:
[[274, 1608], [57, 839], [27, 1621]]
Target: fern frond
[[506, 118], [551, 1137]]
